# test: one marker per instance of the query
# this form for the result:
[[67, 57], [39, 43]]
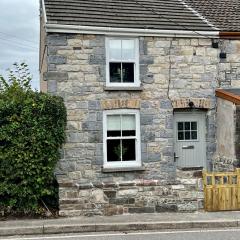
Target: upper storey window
[[122, 56]]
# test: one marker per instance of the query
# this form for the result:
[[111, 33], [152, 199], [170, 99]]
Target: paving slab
[[134, 222]]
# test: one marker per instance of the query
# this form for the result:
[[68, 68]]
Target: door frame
[[186, 112]]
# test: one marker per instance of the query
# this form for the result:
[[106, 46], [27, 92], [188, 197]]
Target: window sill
[[106, 88], [124, 169]]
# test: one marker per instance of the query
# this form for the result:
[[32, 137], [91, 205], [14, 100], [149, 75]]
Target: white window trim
[[126, 164], [136, 69]]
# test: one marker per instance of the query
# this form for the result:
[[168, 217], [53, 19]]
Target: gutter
[[59, 28], [229, 35]]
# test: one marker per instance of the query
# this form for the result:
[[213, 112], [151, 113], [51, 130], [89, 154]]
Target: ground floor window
[[121, 138]]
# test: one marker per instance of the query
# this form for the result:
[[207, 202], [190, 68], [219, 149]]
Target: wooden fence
[[222, 191]]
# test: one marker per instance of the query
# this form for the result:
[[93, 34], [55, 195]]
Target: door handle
[[175, 157]]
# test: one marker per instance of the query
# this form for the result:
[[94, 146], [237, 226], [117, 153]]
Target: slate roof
[[224, 14], [141, 14]]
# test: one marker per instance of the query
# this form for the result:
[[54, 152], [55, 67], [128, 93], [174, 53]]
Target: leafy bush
[[32, 128]]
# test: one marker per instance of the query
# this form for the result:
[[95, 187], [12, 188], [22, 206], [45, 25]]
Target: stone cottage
[[138, 79]]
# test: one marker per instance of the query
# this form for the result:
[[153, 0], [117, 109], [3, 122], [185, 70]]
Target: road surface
[[219, 234]]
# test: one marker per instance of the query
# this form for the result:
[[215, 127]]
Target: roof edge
[[221, 93], [44, 11], [59, 28]]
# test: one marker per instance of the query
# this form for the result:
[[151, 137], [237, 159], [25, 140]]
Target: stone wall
[[229, 68], [225, 155], [43, 64], [136, 196], [170, 69]]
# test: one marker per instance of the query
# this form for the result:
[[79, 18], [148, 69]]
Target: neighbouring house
[[228, 129], [139, 80]]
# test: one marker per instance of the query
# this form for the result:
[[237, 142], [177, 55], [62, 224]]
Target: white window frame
[[189, 140], [122, 164], [136, 82]]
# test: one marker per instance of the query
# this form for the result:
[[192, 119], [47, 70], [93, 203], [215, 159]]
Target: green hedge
[[32, 128]]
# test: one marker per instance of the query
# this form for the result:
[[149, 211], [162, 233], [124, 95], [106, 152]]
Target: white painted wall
[[226, 128]]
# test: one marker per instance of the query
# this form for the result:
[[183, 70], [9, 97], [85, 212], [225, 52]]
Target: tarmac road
[[203, 234]]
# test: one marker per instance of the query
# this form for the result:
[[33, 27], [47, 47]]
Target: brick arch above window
[[203, 103], [120, 104]]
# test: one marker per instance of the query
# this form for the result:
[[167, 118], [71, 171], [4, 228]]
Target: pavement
[[122, 223]]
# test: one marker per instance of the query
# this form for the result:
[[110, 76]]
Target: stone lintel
[[66, 184], [120, 104], [202, 103]]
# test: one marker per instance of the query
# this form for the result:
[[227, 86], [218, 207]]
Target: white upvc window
[[121, 143], [122, 62]]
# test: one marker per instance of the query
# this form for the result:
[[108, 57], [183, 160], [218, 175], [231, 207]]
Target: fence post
[[238, 176]]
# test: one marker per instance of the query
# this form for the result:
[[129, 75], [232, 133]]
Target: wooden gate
[[222, 191]]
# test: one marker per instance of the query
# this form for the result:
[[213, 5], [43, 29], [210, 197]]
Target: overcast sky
[[19, 35]]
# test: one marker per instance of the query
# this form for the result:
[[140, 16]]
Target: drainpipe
[[229, 35]]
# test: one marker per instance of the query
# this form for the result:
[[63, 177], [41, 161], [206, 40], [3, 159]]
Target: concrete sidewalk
[[121, 223]]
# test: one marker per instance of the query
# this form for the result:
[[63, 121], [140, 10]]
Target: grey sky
[[19, 35]]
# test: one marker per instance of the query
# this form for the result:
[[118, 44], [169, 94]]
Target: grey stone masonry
[[170, 69], [136, 196]]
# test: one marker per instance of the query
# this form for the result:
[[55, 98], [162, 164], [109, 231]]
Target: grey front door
[[189, 139]]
